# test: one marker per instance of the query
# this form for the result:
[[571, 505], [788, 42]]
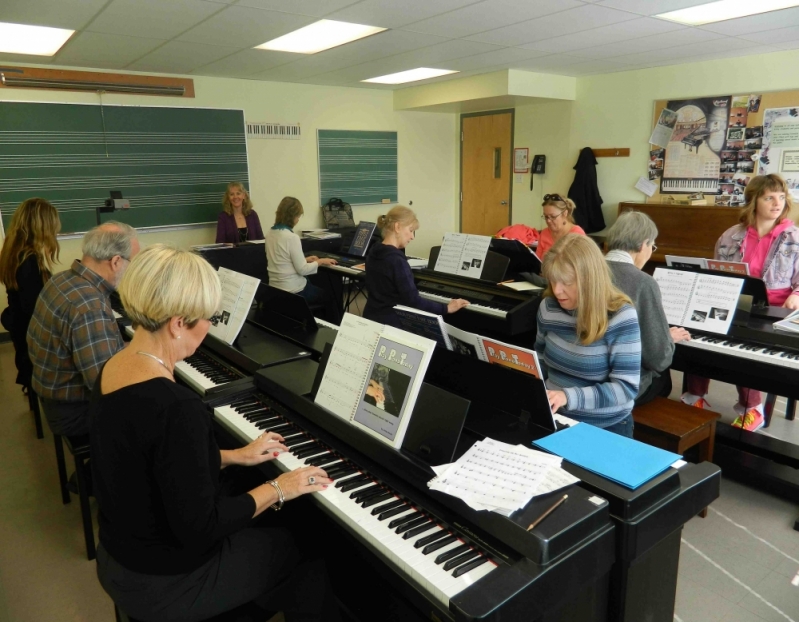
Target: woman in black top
[[26, 262], [173, 547]]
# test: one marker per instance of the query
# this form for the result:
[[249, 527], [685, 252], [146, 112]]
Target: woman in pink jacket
[[769, 242]]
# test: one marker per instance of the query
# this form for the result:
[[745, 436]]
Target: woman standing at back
[[26, 263]]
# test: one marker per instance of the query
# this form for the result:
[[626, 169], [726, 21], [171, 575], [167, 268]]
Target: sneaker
[[753, 420], [695, 401]]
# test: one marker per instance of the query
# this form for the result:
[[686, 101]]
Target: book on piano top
[[321, 235], [790, 323], [462, 254], [692, 263], [620, 459], [373, 377], [238, 292], [703, 302]]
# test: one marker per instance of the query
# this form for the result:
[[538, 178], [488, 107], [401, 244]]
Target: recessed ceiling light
[[724, 10], [319, 36], [412, 75], [38, 40]]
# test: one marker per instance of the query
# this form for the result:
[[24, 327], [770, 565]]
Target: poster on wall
[[779, 135], [693, 159]]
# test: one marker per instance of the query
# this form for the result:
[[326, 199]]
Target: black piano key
[[318, 459], [342, 471], [412, 533], [361, 494], [355, 483], [461, 559], [438, 544], [411, 524], [388, 506], [403, 519], [242, 402], [264, 417], [332, 466], [447, 555], [400, 509], [298, 440], [308, 452], [282, 429], [322, 462], [367, 503], [431, 538], [350, 480]]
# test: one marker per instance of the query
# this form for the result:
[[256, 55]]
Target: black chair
[[78, 446], [768, 408], [33, 404]]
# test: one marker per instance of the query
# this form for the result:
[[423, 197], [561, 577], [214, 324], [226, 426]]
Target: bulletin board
[[713, 145]]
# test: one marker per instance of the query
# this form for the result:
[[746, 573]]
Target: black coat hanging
[[585, 193]]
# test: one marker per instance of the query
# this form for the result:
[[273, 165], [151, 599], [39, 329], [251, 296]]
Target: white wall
[[427, 165]]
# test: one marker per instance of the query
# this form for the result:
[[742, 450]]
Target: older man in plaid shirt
[[73, 331]]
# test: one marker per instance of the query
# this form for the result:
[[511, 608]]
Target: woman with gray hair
[[173, 545], [631, 242]]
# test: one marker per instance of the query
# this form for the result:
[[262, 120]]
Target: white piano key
[[474, 307], [702, 343]]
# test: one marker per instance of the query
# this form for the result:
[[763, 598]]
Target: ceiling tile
[[245, 63], [152, 18], [243, 27], [688, 52], [55, 13], [774, 37], [25, 58], [593, 66], [552, 61], [94, 49], [317, 8], [489, 59], [651, 7], [624, 31], [756, 23], [180, 57], [395, 13], [489, 15], [567, 22]]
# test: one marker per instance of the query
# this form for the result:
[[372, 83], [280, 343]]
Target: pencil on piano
[[548, 512]]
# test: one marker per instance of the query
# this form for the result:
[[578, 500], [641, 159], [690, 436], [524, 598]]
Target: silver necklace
[[153, 356]]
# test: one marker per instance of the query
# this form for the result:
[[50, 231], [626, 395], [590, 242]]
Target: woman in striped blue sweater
[[588, 340]]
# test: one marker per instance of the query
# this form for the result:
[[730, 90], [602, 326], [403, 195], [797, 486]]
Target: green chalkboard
[[172, 163], [357, 167]]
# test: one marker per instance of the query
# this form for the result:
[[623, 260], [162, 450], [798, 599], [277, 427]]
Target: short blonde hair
[[288, 211], [559, 202], [756, 188], [577, 259], [163, 282], [399, 214], [246, 204]]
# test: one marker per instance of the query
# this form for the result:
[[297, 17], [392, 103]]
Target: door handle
[[503, 202]]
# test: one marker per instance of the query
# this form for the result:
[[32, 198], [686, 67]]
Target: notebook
[[620, 459]]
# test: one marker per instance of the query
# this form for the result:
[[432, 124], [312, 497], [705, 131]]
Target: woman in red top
[[558, 214]]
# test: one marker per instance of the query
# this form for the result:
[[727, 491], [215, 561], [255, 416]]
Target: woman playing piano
[[588, 340], [389, 279], [173, 546], [559, 216], [768, 241]]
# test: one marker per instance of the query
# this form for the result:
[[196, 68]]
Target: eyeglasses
[[553, 197], [551, 218]]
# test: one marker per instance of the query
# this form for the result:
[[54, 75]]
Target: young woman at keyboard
[[768, 241], [389, 279], [173, 544], [588, 341]]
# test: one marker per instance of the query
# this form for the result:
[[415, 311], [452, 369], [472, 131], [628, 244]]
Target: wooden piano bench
[[674, 426]]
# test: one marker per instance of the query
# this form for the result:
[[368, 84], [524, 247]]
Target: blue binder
[[620, 459]]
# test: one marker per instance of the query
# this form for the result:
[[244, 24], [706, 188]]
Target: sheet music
[[238, 292], [348, 365], [463, 255], [675, 290], [712, 306]]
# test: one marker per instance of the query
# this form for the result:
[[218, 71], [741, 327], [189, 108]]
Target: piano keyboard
[[423, 549], [475, 307], [202, 372], [682, 184], [325, 323], [751, 352]]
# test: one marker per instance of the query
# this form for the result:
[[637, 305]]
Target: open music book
[[701, 301], [373, 377], [238, 292], [462, 254], [691, 263]]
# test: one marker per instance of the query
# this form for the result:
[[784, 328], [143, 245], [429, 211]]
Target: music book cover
[[361, 239], [733, 267], [620, 459], [424, 323], [515, 357], [700, 301], [462, 254], [373, 377], [238, 292]]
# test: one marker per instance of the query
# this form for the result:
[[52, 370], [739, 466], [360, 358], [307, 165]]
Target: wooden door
[[486, 158]]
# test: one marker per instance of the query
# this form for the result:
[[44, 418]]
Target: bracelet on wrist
[[280, 498]]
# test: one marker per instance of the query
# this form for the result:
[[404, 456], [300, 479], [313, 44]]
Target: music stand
[[522, 258], [494, 269]]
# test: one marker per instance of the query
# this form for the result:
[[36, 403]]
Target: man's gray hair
[[630, 231], [109, 239]]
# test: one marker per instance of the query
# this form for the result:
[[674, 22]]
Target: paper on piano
[[238, 292], [700, 301], [462, 254], [790, 323], [499, 477], [373, 376], [417, 263], [522, 286]]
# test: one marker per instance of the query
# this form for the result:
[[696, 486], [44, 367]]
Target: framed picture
[[521, 160]]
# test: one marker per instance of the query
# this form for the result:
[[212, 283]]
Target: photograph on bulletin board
[[780, 139]]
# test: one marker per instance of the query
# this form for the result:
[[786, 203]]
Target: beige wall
[[427, 166]]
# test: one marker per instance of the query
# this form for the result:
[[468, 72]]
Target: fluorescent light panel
[[319, 36], [724, 10], [412, 75], [36, 40]]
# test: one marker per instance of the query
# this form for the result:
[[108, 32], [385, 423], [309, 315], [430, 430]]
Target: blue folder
[[618, 458]]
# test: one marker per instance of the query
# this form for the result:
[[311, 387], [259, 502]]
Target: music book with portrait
[[238, 292], [373, 376], [462, 254], [700, 301]]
